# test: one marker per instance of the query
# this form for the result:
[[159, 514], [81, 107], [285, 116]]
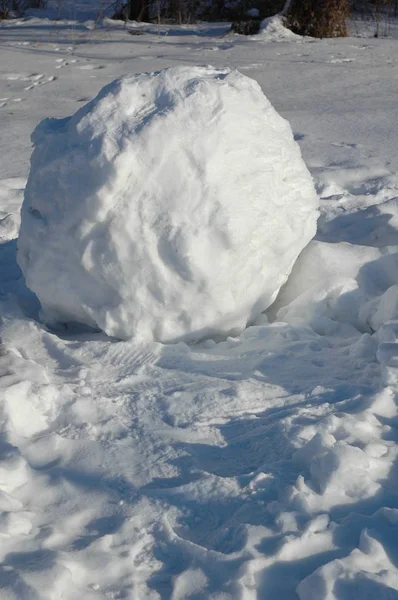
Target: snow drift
[[273, 29], [172, 206]]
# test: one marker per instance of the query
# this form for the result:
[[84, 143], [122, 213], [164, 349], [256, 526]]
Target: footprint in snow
[[16, 77], [4, 101], [74, 62], [251, 66], [90, 67], [20, 43], [33, 79], [40, 81], [340, 60], [345, 145], [64, 63]]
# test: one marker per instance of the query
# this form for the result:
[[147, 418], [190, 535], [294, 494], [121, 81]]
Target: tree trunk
[[138, 10]]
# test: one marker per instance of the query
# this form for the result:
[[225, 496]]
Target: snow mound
[[172, 206], [273, 29], [333, 284]]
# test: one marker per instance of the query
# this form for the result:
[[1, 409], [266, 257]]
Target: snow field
[[187, 457], [260, 467], [223, 477]]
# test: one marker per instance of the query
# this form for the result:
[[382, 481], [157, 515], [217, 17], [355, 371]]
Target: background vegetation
[[316, 18]]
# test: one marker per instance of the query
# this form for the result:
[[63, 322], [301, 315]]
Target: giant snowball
[[171, 207]]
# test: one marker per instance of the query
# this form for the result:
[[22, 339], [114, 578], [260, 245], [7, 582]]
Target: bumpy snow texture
[[171, 207]]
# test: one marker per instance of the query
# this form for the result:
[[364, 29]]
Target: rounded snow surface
[[171, 207]]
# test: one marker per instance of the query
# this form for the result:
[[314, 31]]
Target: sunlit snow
[[259, 466], [171, 207]]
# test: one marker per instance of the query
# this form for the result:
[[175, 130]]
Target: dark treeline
[[316, 18]]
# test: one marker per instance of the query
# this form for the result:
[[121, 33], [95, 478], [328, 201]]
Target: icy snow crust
[[172, 206]]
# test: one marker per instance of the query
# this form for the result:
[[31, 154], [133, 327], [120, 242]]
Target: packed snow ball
[[171, 207]]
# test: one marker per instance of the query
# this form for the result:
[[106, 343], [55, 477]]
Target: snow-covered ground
[[259, 467]]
